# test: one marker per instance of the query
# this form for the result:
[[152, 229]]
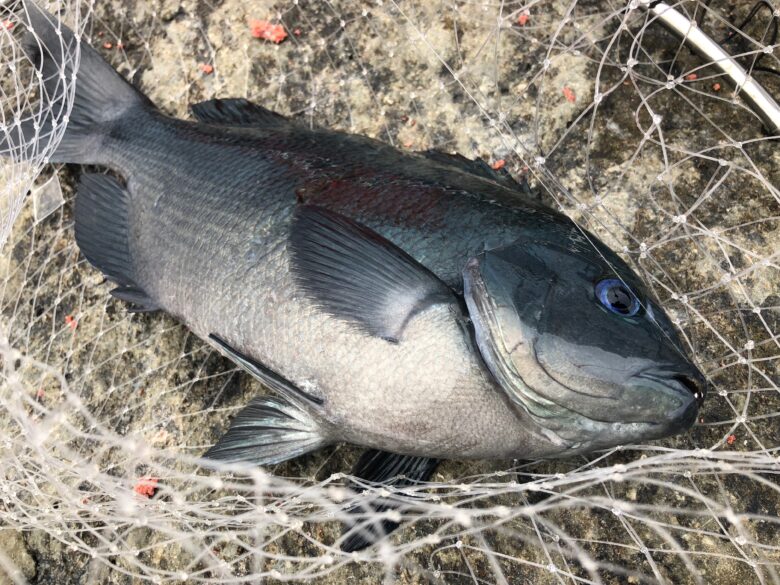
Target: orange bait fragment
[[731, 439], [71, 321], [146, 486], [207, 68], [262, 29], [499, 164], [568, 93], [522, 19]]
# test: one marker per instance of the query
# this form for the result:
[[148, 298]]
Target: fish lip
[[686, 380], [684, 416]]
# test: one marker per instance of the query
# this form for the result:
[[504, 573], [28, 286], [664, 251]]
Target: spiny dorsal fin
[[355, 274], [476, 167], [236, 112]]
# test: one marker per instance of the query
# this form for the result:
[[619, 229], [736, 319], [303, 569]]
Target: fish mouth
[[690, 380], [690, 387]]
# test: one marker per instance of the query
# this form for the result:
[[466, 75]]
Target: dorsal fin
[[236, 112], [476, 167]]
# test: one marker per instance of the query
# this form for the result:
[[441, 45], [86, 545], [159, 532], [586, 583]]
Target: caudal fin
[[100, 97]]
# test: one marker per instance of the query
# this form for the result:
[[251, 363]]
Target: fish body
[[413, 303], [211, 211]]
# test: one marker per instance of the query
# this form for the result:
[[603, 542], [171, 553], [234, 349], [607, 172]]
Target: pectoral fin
[[355, 274], [394, 471]]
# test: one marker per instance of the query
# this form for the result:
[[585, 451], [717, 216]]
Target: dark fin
[[138, 298], [102, 226], [267, 376], [236, 112], [476, 167], [101, 95], [394, 471], [268, 431], [357, 275]]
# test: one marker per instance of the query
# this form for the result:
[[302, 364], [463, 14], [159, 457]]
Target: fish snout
[[695, 382], [685, 389]]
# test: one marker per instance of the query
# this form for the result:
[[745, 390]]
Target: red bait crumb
[[522, 19], [691, 77], [716, 86], [499, 164], [108, 45], [262, 29], [71, 321], [207, 68], [146, 486], [8, 24], [731, 439], [568, 93], [297, 32]]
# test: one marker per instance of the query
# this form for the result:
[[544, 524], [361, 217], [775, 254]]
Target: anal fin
[[102, 233], [268, 431], [266, 375], [102, 226], [391, 470]]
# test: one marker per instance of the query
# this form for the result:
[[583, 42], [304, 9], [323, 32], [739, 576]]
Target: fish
[[418, 304]]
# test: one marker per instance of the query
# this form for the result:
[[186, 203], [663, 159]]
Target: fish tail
[[101, 96]]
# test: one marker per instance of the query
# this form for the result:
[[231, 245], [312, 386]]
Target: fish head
[[573, 337]]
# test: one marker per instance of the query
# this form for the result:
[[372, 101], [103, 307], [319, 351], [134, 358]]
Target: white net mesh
[[103, 414]]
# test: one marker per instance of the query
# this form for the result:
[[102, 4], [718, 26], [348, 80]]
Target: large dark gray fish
[[417, 304]]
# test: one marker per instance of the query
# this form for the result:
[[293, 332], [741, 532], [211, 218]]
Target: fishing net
[[103, 414]]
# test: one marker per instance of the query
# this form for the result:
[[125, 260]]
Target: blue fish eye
[[617, 297]]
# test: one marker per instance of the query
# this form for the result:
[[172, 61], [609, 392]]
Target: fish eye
[[617, 297]]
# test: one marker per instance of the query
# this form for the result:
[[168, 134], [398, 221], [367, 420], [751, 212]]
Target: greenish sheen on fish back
[[418, 304]]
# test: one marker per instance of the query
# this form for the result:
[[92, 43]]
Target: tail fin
[[100, 95]]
